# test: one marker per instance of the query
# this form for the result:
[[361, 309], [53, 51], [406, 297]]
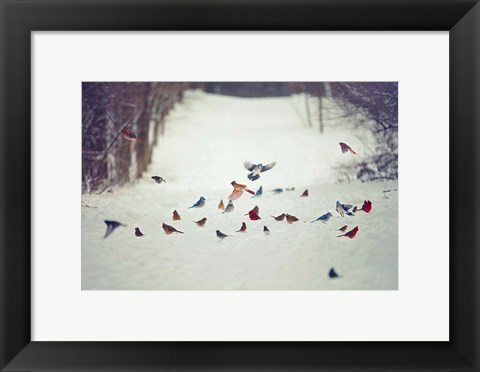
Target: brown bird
[[305, 193], [291, 219], [255, 209], [138, 232], [202, 222], [343, 228], [279, 218], [221, 205], [355, 209], [176, 216], [243, 228], [170, 229]]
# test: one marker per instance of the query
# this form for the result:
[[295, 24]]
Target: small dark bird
[[259, 192], [243, 228], [111, 225], [351, 234], [256, 169], [202, 222], [290, 189], [170, 229], [221, 235], [255, 209], [343, 228], [266, 230], [291, 219], [129, 135], [345, 148], [158, 179], [138, 232], [355, 209], [277, 191], [221, 205], [280, 217], [332, 274], [176, 216], [305, 194]]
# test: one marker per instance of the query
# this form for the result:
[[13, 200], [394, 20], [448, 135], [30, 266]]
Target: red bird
[[253, 215], [238, 190], [345, 148], [351, 234], [129, 135], [255, 209], [367, 206]]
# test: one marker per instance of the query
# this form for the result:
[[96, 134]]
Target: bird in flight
[[256, 169]]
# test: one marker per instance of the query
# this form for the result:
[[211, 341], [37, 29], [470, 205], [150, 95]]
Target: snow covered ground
[[207, 139]]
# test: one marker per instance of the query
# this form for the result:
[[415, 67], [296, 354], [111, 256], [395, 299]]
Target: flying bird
[[343, 209], [229, 207], [199, 204], [324, 217], [158, 179], [266, 230], [280, 217], [277, 191], [170, 229], [256, 169], [138, 232], [176, 216], [259, 192], [351, 234], [332, 274], [243, 228], [343, 228], [290, 189], [291, 219], [221, 235], [111, 225], [305, 194], [221, 205], [253, 215], [129, 135], [255, 209], [202, 222], [238, 190], [345, 148]]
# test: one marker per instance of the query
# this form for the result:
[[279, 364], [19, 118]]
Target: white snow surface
[[207, 138]]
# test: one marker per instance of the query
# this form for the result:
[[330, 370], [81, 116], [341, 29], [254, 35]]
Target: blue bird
[[343, 209], [259, 192], [200, 203], [324, 217], [229, 207], [332, 274], [277, 191], [256, 169]]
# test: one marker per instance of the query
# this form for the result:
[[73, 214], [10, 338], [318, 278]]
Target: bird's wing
[[268, 166], [248, 166], [347, 206]]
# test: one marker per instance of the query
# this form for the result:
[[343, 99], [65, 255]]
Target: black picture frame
[[18, 18]]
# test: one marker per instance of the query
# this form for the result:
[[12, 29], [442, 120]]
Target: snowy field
[[207, 139]]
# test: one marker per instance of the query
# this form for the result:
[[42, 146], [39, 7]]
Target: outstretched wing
[[268, 167], [248, 166], [347, 206]]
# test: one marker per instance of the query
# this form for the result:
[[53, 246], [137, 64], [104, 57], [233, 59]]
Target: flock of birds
[[238, 189]]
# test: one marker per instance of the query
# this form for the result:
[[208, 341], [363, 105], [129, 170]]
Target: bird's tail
[[353, 152], [341, 235], [178, 231], [251, 177], [250, 191]]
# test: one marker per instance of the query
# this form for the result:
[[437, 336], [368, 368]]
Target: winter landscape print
[[240, 186]]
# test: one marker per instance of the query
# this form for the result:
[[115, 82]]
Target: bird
[[129, 135], [243, 228], [332, 274], [277, 191], [255, 209], [238, 190], [343, 228], [259, 192], [170, 229], [229, 207], [158, 179], [367, 206], [355, 209], [221, 205], [324, 217], [304, 194], [111, 225], [280, 217], [256, 169], [253, 215], [221, 235], [290, 189], [266, 230], [202, 222], [351, 234], [199, 204], [343, 209], [138, 232], [345, 148], [176, 216], [290, 219]]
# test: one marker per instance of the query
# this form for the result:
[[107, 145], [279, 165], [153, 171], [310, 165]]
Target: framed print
[[219, 149]]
